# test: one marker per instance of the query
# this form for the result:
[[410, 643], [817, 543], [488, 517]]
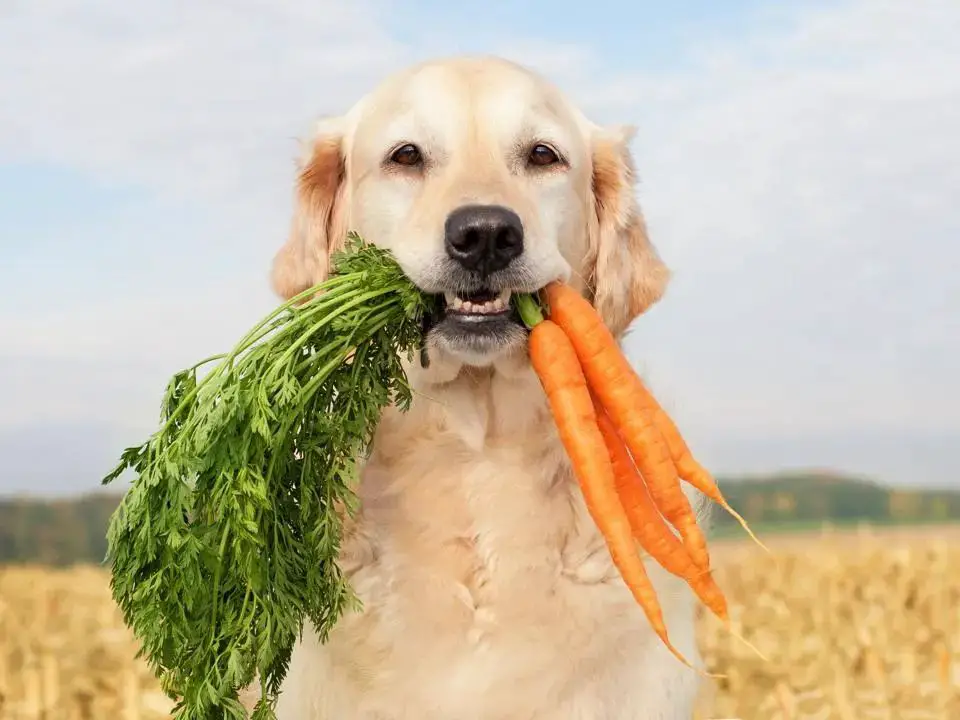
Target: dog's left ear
[[625, 275], [318, 226]]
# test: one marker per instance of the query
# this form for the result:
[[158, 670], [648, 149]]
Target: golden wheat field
[[855, 626]]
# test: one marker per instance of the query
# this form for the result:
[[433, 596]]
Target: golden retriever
[[487, 592]]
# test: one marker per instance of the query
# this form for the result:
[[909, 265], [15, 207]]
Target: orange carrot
[[652, 532], [648, 525], [634, 409], [610, 376], [555, 362]]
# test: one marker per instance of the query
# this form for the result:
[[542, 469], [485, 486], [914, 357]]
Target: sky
[[799, 166]]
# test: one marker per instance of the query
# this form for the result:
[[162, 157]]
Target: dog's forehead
[[441, 102]]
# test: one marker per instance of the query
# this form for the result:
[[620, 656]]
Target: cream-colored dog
[[487, 592]]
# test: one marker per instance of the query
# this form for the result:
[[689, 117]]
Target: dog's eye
[[542, 155], [408, 155]]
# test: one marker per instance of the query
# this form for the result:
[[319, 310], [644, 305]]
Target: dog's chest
[[478, 571]]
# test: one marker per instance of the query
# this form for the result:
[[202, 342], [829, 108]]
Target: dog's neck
[[499, 402]]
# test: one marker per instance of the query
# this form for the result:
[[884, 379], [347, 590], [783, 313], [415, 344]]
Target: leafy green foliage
[[227, 541]]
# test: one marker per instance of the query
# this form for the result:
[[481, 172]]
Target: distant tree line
[[55, 532], [827, 497], [68, 531]]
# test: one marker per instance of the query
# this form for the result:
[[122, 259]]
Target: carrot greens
[[226, 542]]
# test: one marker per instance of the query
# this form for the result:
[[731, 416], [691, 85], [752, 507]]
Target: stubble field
[[857, 625]]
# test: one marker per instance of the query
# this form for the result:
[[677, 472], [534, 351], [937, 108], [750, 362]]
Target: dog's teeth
[[487, 307]]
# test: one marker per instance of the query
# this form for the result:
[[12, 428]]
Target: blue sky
[[799, 169]]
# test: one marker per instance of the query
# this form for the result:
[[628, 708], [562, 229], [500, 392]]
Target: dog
[[487, 592]]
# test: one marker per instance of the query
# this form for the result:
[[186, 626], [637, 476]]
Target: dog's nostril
[[470, 238], [504, 239], [484, 238]]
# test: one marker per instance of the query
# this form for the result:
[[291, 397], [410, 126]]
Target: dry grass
[[855, 627]]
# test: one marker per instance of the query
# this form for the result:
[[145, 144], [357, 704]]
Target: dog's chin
[[478, 341]]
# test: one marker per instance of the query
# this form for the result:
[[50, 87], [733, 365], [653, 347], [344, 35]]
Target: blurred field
[[856, 626]]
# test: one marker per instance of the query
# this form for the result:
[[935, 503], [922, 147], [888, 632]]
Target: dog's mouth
[[476, 325]]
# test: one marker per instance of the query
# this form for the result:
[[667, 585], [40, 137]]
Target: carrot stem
[[529, 310]]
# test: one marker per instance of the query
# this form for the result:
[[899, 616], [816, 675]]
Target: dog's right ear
[[627, 275], [318, 223]]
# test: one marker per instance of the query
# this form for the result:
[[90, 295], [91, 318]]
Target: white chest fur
[[487, 592]]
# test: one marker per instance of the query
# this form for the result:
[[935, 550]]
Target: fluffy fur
[[487, 592]]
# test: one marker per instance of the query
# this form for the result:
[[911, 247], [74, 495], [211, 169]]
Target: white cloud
[[801, 178], [180, 96]]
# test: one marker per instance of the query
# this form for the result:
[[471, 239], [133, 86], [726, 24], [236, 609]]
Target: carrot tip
[[746, 642], [679, 656], [745, 526]]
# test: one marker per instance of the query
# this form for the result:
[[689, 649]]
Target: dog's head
[[483, 180]]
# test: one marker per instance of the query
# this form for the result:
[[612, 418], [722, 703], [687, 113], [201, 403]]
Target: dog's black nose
[[483, 238]]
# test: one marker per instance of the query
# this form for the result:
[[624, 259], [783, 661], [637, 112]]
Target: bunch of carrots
[[626, 452]]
